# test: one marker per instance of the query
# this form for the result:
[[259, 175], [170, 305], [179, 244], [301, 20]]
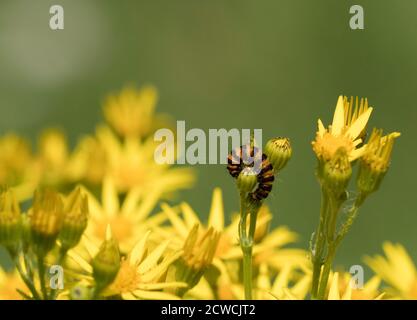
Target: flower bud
[[247, 180], [106, 263], [375, 161], [337, 172], [46, 219], [279, 152], [75, 219], [10, 223], [199, 251]]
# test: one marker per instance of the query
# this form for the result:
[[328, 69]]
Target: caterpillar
[[236, 161]]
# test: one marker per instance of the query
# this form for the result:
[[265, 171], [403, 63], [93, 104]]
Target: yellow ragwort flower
[[128, 220], [346, 130], [130, 163], [132, 112], [397, 269], [340, 288], [18, 169], [142, 272]]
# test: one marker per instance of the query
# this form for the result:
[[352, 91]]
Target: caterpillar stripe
[[237, 161]]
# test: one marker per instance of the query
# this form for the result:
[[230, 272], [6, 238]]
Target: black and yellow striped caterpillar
[[237, 161]]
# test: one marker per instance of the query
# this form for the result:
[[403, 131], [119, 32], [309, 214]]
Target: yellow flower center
[[326, 146], [127, 279], [128, 175]]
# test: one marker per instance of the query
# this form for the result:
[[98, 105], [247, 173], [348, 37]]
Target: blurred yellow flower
[[128, 220], [17, 167], [341, 288], [130, 163], [9, 282], [397, 269], [131, 113]]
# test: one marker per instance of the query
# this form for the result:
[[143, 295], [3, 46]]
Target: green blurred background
[[275, 65]]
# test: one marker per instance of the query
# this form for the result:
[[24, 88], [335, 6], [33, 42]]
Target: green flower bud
[[375, 161], [46, 219], [106, 263], [247, 180], [75, 219], [10, 223], [278, 151], [337, 172]]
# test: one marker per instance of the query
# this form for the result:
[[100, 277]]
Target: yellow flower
[[267, 249], [375, 161], [141, 274], [342, 289], [130, 163], [181, 225], [17, 167], [55, 162], [9, 282], [128, 220], [396, 269], [346, 130], [198, 254], [131, 112]]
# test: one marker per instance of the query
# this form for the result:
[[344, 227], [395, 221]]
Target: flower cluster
[[105, 214]]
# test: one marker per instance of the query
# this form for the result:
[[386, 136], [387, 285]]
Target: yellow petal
[[334, 288], [282, 280], [131, 201], [139, 250], [321, 128], [162, 285], [180, 227], [348, 293], [151, 295], [151, 260], [190, 216], [128, 296], [357, 127], [147, 204], [216, 216], [338, 117], [110, 199], [80, 261]]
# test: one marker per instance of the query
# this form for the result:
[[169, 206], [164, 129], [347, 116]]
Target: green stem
[[246, 247], [42, 275], [326, 272], [247, 271], [28, 282], [319, 245]]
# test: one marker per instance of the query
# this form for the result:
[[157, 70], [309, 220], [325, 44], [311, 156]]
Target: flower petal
[[334, 288], [357, 127], [338, 117], [139, 250], [151, 260], [151, 295], [216, 216]]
